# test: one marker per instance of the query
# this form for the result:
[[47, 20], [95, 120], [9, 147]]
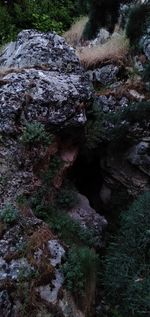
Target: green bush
[[103, 13], [146, 74], [48, 175], [114, 126], [35, 133], [137, 23], [8, 214], [46, 15], [79, 268], [69, 230], [66, 198], [7, 28], [126, 277]]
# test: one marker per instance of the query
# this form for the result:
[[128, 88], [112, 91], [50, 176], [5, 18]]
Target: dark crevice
[[87, 177]]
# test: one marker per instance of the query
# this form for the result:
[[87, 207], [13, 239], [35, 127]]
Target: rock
[[136, 95], [5, 304], [138, 64], [44, 96], [139, 156], [106, 103], [145, 44], [123, 102], [101, 38], [89, 219], [48, 292], [41, 87], [104, 75], [36, 49]]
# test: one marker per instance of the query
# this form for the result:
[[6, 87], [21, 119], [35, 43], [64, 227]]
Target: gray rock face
[[104, 75], [37, 95], [48, 87], [145, 43], [33, 48], [89, 219]]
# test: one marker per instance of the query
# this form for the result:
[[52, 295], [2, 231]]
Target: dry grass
[[73, 36], [114, 50]]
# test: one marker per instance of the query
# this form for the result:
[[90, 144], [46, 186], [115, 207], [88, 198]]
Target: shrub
[[46, 16], [79, 268], [67, 198], [137, 22], [114, 126], [146, 74], [126, 277], [103, 13], [49, 174], [8, 214], [69, 230], [7, 28], [35, 133]]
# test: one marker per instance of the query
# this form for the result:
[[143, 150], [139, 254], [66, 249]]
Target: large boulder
[[41, 81], [33, 48]]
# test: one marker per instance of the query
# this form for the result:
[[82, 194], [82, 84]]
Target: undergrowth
[[127, 264]]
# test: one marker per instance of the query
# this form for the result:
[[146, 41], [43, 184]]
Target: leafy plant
[[66, 198], [68, 229], [79, 268], [48, 175], [137, 22], [126, 278], [35, 133], [146, 74], [7, 28], [103, 13], [8, 214]]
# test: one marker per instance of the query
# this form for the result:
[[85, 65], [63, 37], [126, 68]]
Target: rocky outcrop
[[43, 97], [36, 92], [33, 49]]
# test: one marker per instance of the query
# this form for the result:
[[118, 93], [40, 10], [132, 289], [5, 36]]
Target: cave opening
[[87, 177]]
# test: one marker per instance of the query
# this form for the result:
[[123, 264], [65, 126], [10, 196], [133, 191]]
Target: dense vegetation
[[46, 15], [138, 21], [127, 264]]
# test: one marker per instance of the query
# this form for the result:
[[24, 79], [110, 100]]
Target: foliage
[[103, 13], [67, 198], [137, 22], [113, 126], [8, 214], [35, 133], [49, 174], [78, 269], [7, 28], [126, 278], [146, 74], [69, 230], [46, 15]]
